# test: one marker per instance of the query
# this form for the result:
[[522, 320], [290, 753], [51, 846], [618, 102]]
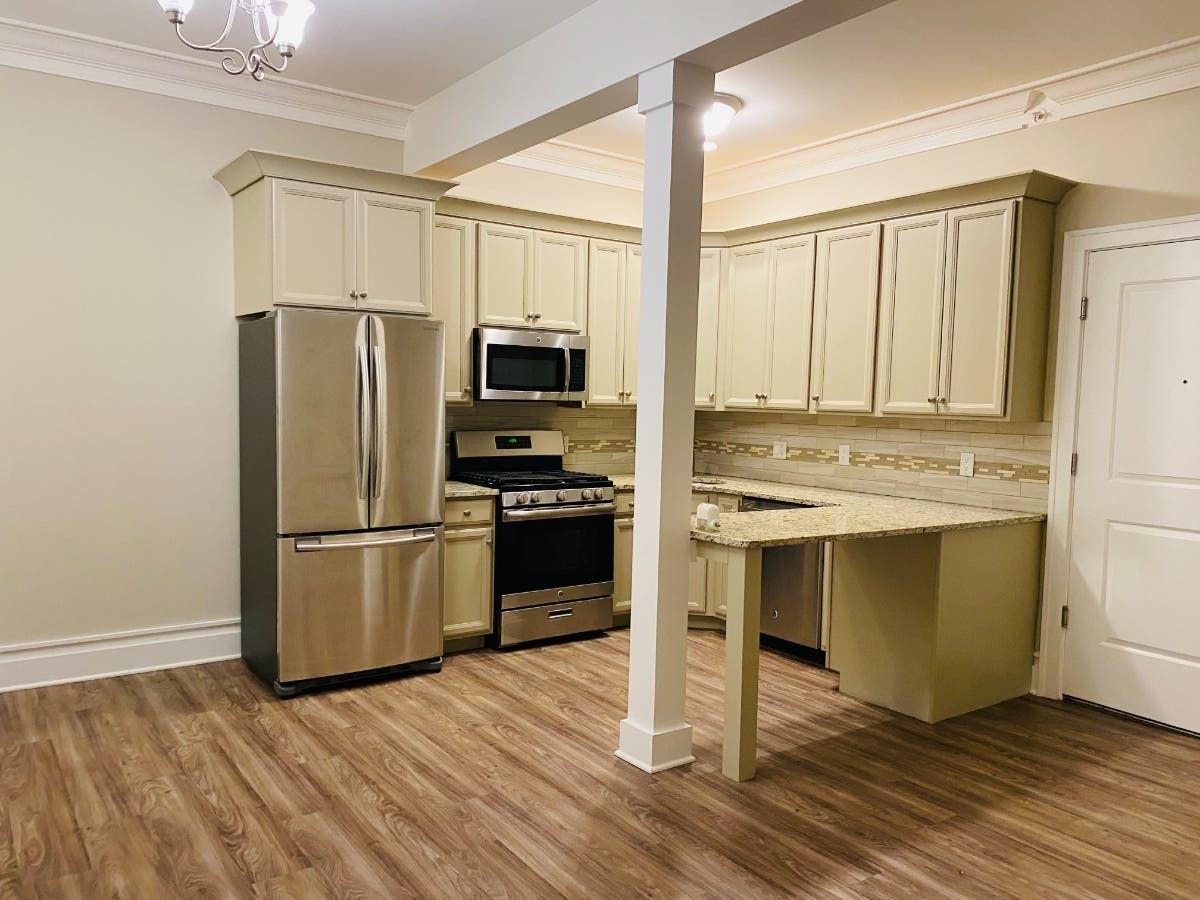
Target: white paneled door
[[1133, 639]]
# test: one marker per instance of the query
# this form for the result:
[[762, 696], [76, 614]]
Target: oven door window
[[542, 554], [511, 367]]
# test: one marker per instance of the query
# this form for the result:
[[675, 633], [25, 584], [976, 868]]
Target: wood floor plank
[[496, 778]]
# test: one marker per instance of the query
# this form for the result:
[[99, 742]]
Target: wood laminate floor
[[496, 778]]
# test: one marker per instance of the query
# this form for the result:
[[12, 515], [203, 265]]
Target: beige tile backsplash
[[897, 456]]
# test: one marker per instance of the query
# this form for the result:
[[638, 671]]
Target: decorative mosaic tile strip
[[1004, 471], [599, 445]]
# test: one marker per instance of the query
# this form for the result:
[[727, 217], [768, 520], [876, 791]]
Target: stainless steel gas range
[[554, 534]]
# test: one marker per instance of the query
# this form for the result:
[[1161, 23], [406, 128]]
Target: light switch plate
[[779, 449], [966, 464], [843, 454]]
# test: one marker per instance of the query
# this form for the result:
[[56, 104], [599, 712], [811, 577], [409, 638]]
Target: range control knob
[[522, 497], [561, 495], [585, 494], [535, 497]]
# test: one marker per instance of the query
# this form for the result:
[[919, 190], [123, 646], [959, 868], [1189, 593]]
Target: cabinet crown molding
[[254, 165]]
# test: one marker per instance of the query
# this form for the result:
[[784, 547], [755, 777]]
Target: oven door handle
[[559, 512]]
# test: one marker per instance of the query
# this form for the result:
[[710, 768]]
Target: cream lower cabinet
[[467, 609], [453, 296], [844, 319], [614, 291], [623, 560], [530, 278], [768, 325], [944, 312], [301, 244]]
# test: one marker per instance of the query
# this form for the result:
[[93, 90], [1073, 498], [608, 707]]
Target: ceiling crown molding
[[1139, 76], [575, 161], [40, 49]]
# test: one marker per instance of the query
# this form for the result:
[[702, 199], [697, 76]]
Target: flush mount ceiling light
[[277, 23], [720, 114]]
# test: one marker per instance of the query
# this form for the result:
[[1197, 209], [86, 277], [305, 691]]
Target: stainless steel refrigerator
[[342, 495]]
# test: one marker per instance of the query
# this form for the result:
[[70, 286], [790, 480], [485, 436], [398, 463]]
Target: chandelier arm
[[215, 45]]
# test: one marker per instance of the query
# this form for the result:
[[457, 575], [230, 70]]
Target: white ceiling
[[400, 50], [909, 57]]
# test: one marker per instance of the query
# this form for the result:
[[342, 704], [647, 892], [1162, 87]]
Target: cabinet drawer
[[538, 622], [468, 512], [624, 501]]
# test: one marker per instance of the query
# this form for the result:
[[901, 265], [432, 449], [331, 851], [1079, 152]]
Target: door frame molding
[[1048, 672]]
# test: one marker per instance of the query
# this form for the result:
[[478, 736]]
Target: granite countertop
[[458, 490], [835, 516]]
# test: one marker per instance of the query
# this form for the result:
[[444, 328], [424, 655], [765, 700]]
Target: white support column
[[673, 98]]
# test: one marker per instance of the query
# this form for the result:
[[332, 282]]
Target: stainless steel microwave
[[521, 364]]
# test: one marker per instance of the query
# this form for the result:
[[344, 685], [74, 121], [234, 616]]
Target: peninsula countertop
[[834, 515]]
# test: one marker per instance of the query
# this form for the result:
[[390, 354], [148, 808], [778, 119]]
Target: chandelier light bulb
[[291, 24], [176, 10]]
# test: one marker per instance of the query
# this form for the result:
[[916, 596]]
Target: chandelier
[[276, 23]]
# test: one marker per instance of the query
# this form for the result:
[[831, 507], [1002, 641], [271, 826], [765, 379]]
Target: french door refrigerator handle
[[385, 539], [379, 421], [365, 425]]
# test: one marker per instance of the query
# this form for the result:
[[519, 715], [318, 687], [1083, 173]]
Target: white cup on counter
[[707, 516]]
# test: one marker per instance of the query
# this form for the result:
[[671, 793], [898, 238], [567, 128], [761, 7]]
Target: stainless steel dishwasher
[[791, 584]]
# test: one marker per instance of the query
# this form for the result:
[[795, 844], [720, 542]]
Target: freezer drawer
[[356, 602], [535, 623]]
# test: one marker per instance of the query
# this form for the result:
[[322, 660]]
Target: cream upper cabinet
[[978, 297], [394, 254], [708, 349], [768, 324], [560, 264], [633, 307], [846, 302], [614, 288], [468, 582], [313, 243], [532, 279], [606, 323], [505, 293], [453, 295], [910, 314], [790, 332], [746, 324]]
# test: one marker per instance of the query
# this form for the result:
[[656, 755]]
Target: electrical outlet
[[843, 454], [779, 449], [966, 464]]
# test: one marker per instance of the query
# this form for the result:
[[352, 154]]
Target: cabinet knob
[[354, 295], [711, 397], [537, 315], [466, 514], [362, 295], [816, 396], [487, 540], [467, 389], [931, 400], [941, 400]]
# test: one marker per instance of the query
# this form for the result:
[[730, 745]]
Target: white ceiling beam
[[586, 67]]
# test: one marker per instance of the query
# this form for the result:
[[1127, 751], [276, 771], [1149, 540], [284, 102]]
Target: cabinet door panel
[[468, 582], [910, 317], [453, 293], [505, 275], [313, 245], [560, 281], [746, 325], [708, 349], [790, 323], [606, 302], [394, 254], [978, 296], [847, 294], [633, 307], [622, 564]]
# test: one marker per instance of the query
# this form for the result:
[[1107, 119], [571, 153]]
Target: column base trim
[[655, 751]]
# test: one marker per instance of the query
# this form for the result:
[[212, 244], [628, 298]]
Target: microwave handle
[[566, 388]]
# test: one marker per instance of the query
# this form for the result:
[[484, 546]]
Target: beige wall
[[118, 450]]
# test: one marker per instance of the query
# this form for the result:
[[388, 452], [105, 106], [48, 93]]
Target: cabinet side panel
[[252, 249], [257, 442], [1031, 310]]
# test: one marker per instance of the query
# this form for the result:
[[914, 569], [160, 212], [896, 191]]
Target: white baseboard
[[120, 653]]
